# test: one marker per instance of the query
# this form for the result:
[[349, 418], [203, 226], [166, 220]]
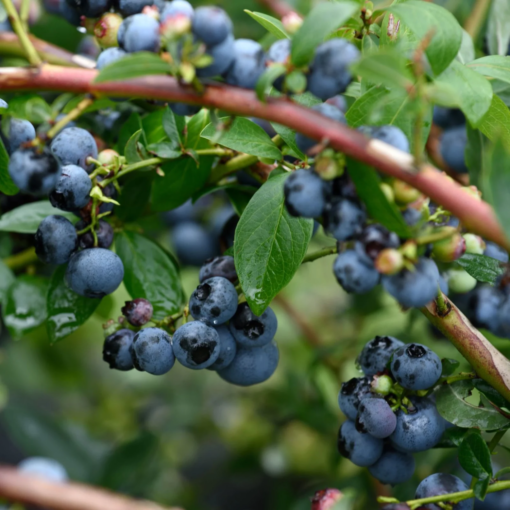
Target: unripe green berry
[[460, 281], [389, 261], [388, 191], [382, 384], [175, 27], [107, 157], [404, 193], [292, 22], [106, 29], [449, 249], [474, 244]]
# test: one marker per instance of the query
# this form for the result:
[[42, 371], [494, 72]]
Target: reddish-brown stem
[[476, 215], [279, 7]]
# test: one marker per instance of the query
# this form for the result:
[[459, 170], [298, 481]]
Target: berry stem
[[30, 52], [21, 259], [323, 252], [463, 376], [72, 115], [496, 438]]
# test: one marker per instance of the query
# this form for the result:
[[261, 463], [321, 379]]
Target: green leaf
[[25, 219], [473, 91], [322, 20], [289, 137], [484, 269], [152, 126], [267, 78], [240, 198], [480, 487], [245, 136], [142, 63], [131, 126], [498, 29], [474, 456], [495, 124], [269, 244], [272, 25], [492, 395], [368, 186], [295, 82], [452, 406], [195, 127], [476, 156], [6, 279], [66, 310], [423, 18], [25, 305], [134, 197], [467, 49], [449, 366], [6, 185], [150, 273], [31, 107], [494, 67], [164, 150], [132, 150], [452, 437], [171, 129]]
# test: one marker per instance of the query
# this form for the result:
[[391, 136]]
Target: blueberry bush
[[307, 202]]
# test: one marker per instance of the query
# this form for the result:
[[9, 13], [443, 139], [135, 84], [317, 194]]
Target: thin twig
[[477, 18], [21, 259], [72, 115]]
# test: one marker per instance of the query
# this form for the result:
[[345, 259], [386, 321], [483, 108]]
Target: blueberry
[[72, 190], [350, 395], [116, 350], [331, 112], [152, 351], [391, 135], [361, 449], [496, 252], [306, 194], [439, 484], [354, 274], [223, 266], [185, 212], [412, 216], [251, 365], [329, 71], [137, 312], [183, 109], [494, 501], [139, 33], [211, 25], [109, 56], [414, 288], [45, 468], [375, 417], [193, 244], [228, 349], [393, 467], [94, 273], [130, 7], [222, 55], [343, 187], [196, 345], [73, 146], [447, 118], [420, 428], [339, 102], [34, 171], [91, 8], [375, 355], [108, 191], [175, 8], [416, 367], [249, 64], [484, 304], [104, 232], [452, 146], [344, 219], [214, 301], [270, 131], [501, 326], [19, 131], [55, 240], [70, 13], [375, 238], [279, 53], [251, 330]]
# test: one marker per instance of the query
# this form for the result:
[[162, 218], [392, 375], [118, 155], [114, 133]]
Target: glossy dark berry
[[94, 273], [344, 219], [55, 240], [116, 350], [91, 8], [72, 190], [223, 266], [484, 303], [361, 449], [19, 131], [43, 467], [104, 232], [129, 7], [183, 109], [34, 171], [196, 345], [443, 483], [139, 32], [228, 348], [138, 311], [73, 146], [375, 417], [393, 467], [109, 56], [496, 252], [374, 238], [355, 274], [192, 243], [248, 65], [70, 13], [306, 194], [152, 351], [251, 330], [416, 367], [447, 118], [375, 355], [211, 25], [391, 135], [452, 147], [222, 58], [351, 394]]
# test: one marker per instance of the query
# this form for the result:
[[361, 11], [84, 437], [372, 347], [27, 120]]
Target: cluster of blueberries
[[226, 336], [387, 419]]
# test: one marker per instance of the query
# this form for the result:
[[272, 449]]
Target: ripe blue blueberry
[[329, 71], [350, 395], [391, 135], [211, 25], [73, 146], [183, 109], [393, 467], [339, 102], [228, 349], [331, 112], [72, 190], [344, 219], [138, 311], [223, 266], [361, 449], [44, 468], [306, 194], [94, 273], [222, 58], [251, 365], [91, 8], [130, 7], [375, 417], [416, 367], [420, 428], [192, 243], [494, 501], [55, 240], [354, 274], [375, 355], [196, 345], [152, 351], [116, 350], [496, 252], [109, 56], [279, 53], [214, 301], [251, 330], [373, 239], [34, 171], [249, 64], [443, 483], [414, 288], [109, 191], [447, 118], [175, 8], [19, 131], [484, 304], [412, 216], [139, 32], [501, 325], [104, 232], [452, 147]]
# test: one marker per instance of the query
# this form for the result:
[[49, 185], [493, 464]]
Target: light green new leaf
[[498, 29], [136, 64], [272, 25], [493, 66]]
